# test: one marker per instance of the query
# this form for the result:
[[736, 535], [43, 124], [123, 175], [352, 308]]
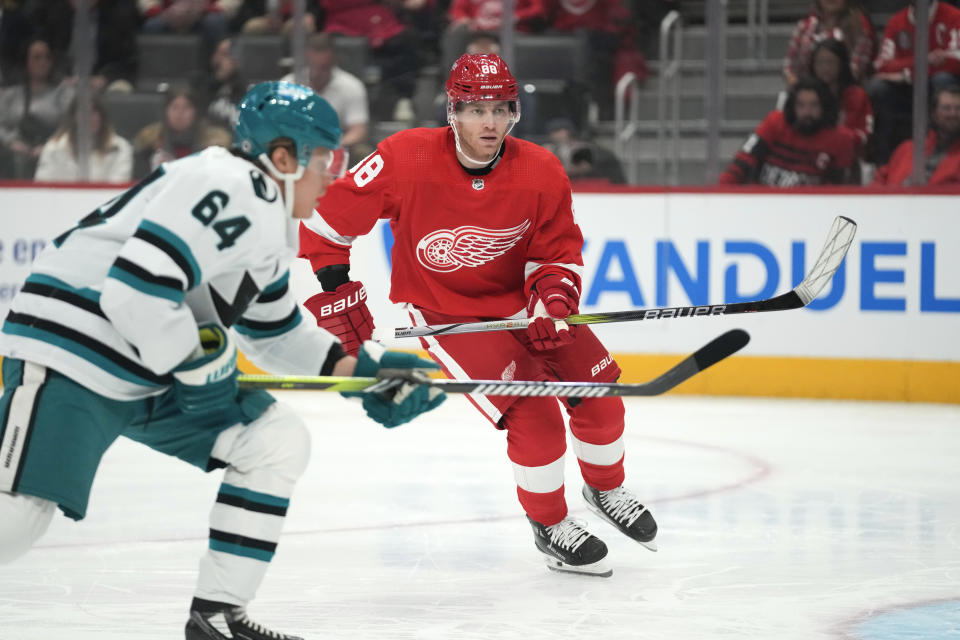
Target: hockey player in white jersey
[[129, 324]]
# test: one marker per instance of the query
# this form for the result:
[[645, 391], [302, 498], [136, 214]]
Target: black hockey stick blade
[[831, 257], [706, 356]]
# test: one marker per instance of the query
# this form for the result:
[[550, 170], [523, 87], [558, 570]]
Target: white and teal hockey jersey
[[114, 303]]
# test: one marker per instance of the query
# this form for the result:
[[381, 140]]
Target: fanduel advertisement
[[897, 295]]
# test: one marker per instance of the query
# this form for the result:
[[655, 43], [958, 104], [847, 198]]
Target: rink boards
[[885, 328]]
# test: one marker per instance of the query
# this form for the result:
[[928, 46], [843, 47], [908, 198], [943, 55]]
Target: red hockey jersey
[[464, 245], [777, 156], [896, 51]]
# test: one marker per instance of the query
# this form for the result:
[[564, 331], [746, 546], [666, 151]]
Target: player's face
[[482, 127], [946, 116], [313, 184]]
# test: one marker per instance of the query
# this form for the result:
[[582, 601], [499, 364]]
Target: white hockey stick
[[831, 257]]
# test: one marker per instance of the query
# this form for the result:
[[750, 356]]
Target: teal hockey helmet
[[272, 110]]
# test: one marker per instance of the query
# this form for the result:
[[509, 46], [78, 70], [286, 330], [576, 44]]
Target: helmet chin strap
[[451, 120], [287, 178]]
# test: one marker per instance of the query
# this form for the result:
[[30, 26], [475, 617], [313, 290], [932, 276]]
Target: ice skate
[[229, 624], [623, 510], [568, 547]]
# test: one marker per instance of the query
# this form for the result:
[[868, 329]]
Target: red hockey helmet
[[481, 76]]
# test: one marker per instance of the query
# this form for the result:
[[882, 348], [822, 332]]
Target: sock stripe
[[250, 505], [254, 496], [241, 545]]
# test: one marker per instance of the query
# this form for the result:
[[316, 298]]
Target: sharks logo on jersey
[[447, 250]]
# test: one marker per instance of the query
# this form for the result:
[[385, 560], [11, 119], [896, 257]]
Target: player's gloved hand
[[552, 298], [207, 381], [405, 401], [344, 313]]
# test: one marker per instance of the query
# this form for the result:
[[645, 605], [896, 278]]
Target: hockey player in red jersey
[[484, 229]]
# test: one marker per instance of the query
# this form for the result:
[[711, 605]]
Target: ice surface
[[786, 520]]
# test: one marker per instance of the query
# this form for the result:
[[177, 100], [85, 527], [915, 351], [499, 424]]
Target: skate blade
[[598, 569], [649, 544]]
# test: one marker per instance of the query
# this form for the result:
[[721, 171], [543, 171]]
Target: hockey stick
[[831, 257], [713, 352]]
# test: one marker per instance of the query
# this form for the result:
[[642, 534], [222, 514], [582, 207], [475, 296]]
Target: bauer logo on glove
[[344, 313], [351, 300]]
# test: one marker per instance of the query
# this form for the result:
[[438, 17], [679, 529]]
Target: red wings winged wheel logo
[[447, 250]]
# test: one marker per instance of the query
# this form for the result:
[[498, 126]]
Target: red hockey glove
[[552, 298], [344, 313]]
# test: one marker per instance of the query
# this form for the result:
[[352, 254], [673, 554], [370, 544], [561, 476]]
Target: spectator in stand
[[343, 90], [180, 133], [396, 50], [798, 146], [942, 146], [114, 25], [487, 15], [30, 112], [225, 86], [830, 63], [891, 88], [467, 17], [186, 16], [837, 20], [612, 37], [111, 159], [265, 17], [581, 159]]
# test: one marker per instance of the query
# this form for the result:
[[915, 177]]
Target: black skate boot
[[220, 621], [623, 510], [567, 546]]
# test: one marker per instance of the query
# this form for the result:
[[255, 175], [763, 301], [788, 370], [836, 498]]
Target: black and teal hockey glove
[[403, 402]]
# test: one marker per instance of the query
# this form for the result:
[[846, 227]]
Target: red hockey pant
[[536, 437]]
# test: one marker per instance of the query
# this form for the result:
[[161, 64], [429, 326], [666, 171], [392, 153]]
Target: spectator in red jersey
[[185, 16], [831, 19], [830, 63], [798, 146], [484, 229], [891, 89], [395, 47], [942, 151], [487, 15]]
